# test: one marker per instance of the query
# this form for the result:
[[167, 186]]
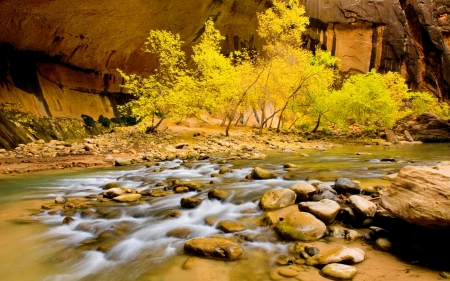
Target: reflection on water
[[115, 241]]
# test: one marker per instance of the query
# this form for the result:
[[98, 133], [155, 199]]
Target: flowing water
[[118, 241]]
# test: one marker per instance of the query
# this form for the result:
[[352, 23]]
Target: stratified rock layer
[[420, 195]]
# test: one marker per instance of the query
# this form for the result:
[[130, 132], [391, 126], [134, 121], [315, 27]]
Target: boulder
[[113, 192], [262, 174], [342, 253], [301, 226], [390, 136], [278, 198], [216, 248], [269, 219], [230, 226], [304, 191], [189, 202], [344, 185], [339, 271], [363, 206], [326, 210], [127, 198], [420, 195]]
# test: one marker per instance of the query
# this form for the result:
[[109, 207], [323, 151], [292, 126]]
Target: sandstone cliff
[[59, 58]]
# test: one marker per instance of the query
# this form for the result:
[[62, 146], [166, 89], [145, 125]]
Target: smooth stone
[[123, 162], [304, 191], [113, 192], [326, 195], [216, 248], [301, 226], [262, 174], [444, 275], [287, 272], [383, 244], [230, 226], [112, 185], [363, 206], [312, 250], [146, 190], [181, 189], [225, 170], [290, 166], [269, 219], [344, 185], [355, 255], [277, 198], [339, 271], [326, 210], [60, 200], [127, 198], [190, 202], [182, 232], [67, 220], [218, 194]]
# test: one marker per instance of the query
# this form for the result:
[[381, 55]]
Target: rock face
[[279, 198], [301, 226], [420, 195], [216, 248], [426, 127]]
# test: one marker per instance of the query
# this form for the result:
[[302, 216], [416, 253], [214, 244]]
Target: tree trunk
[[152, 129], [317, 124]]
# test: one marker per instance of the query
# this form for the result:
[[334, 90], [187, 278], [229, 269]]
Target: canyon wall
[[58, 59]]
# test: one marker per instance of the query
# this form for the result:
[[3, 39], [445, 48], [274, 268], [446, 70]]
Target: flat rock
[[230, 226], [216, 248], [127, 198], [218, 194], [278, 198], [363, 206], [304, 191], [339, 271], [112, 192], [344, 185], [326, 210], [420, 195], [349, 254], [301, 226], [262, 174]]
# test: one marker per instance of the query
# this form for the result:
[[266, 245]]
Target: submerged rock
[[420, 195], [127, 198], [216, 248], [301, 226], [278, 198], [339, 271], [326, 210], [218, 194], [230, 226], [345, 185], [354, 255]]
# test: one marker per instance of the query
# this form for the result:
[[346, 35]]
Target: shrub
[[88, 120], [104, 121]]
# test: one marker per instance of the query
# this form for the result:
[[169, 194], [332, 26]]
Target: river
[[119, 241]]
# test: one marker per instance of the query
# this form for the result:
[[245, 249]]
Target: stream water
[[119, 241]]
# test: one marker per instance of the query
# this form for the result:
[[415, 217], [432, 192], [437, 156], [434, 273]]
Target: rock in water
[[355, 255], [326, 210], [230, 226], [301, 226], [262, 174], [420, 195], [304, 191], [363, 206], [190, 203], [216, 248], [60, 200], [278, 198], [344, 185], [339, 271], [112, 192], [127, 198]]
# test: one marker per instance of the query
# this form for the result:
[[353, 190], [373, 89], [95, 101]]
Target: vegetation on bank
[[283, 84]]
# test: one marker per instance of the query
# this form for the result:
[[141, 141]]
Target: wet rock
[[218, 194], [230, 226], [285, 259], [216, 248], [262, 174], [326, 210], [383, 244], [173, 214], [290, 166], [344, 186], [211, 220], [304, 191], [312, 250], [144, 191], [339, 271], [160, 193], [354, 255], [181, 189], [123, 162], [127, 198], [67, 220], [287, 272], [278, 198], [182, 232], [301, 226], [420, 195], [225, 170], [112, 185], [60, 200], [269, 219], [363, 206], [336, 231], [113, 192], [190, 203]]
